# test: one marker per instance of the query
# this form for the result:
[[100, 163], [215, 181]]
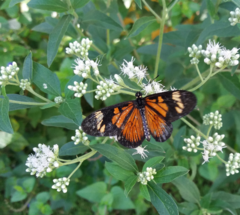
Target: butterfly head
[[138, 95]]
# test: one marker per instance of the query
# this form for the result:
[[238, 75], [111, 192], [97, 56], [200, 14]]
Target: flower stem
[[160, 39], [75, 170], [152, 11], [91, 91], [195, 129], [204, 81], [209, 129], [199, 72], [221, 159], [126, 92], [230, 149], [39, 96], [27, 103], [93, 79], [172, 5]]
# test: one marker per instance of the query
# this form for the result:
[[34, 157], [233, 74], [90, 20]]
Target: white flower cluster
[[80, 136], [7, 73], [195, 52], [58, 99], [144, 177], [192, 143], [44, 160], [153, 87], [105, 89], [235, 17], [212, 145], [83, 68], [61, 184], [138, 72], [79, 88], [141, 150], [45, 86], [219, 56], [24, 84], [233, 164], [214, 119], [77, 48]]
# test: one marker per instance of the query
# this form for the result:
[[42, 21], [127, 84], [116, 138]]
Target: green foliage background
[[118, 33]]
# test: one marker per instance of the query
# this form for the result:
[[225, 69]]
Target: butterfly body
[[133, 121]]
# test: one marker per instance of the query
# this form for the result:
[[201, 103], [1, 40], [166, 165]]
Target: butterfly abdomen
[[145, 125]]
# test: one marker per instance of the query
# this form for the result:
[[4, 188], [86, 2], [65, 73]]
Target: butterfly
[[133, 121]]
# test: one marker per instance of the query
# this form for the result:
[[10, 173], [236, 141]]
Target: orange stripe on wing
[[161, 108], [119, 118]]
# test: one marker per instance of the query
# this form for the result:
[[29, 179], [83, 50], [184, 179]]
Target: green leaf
[[69, 93], [140, 25], [211, 8], [49, 105], [50, 5], [46, 210], [234, 68], [237, 2], [229, 198], [209, 171], [101, 20], [219, 28], [187, 207], [231, 84], [18, 196], [60, 121], [77, 4], [117, 155], [72, 149], [188, 190], [178, 139], [161, 200], [152, 162], [118, 172], [43, 197], [89, 96], [28, 67], [93, 192], [129, 183], [139, 3], [71, 109], [40, 73], [13, 2], [120, 201], [5, 124], [56, 36], [43, 27], [29, 183], [170, 173], [144, 192]]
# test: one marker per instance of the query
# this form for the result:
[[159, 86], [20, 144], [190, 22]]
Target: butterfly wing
[[122, 120], [163, 108]]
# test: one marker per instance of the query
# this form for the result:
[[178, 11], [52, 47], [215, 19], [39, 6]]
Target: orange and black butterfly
[[134, 121]]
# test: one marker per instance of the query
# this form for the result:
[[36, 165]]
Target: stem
[[93, 79], [195, 129], [27, 103], [199, 72], [152, 11], [72, 9], [126, 92], [193, 120], [230, 149], [209, 129], [39, 96], [75, 170], [204, 81], [172, 5], [160, 39], [221, 159], [91, 91]]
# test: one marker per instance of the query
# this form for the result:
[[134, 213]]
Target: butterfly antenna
[[154, 79]]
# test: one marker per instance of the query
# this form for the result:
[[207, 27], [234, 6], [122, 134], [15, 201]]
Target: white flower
[[205, 157], [82, 68], [24, 84], [194, 61], [79, 48], [128, 69], [141, 150], [45, 86], [213, 145], [8, 73], [228, 58], [58, 99], [80, 136], [233, 164], [79, 88], [235, 17], [172, 88], [153, 87], [194, 51], [44, 160], [192, 144], [61, 184], [146, 176], [214, 119], [212, 52], [105, 89], [94, 65]]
